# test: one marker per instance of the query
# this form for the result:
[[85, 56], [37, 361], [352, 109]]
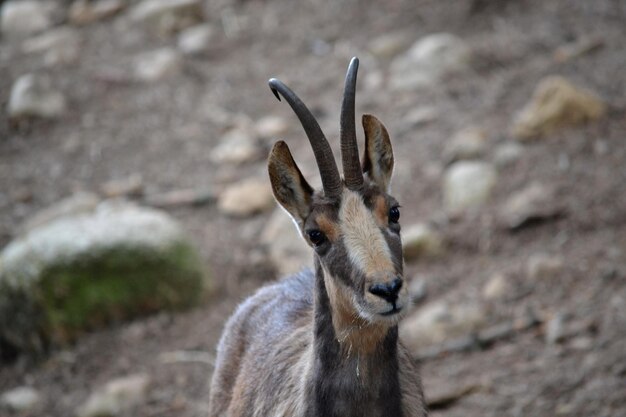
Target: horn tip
[[272, 83]]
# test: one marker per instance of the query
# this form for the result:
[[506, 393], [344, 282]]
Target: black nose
[[389, 291]]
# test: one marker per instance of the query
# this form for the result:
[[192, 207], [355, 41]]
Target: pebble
[[439, 321], [507, 154], [83, 12], [129, 186], [20, 399], [417, 289], [59, 46], [116, 397], [246, 198], [167, 16], [496, 287], [420, 240], [554, 331], [468, 185], [534, 202], [271, 127], [544, 266], [24, 17], [156, 65], [469, 143], [237, 146], [556, 103], [195, 40], [428, 61], [34, 96], [388, 45]]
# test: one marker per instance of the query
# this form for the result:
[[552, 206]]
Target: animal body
[[324, 342]]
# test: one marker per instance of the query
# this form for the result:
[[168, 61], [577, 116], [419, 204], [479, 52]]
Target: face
[[358, 244]]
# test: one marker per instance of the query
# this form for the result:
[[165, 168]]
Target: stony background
[[508, 121]]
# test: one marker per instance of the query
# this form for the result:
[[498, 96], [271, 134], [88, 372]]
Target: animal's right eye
[[316, 237]]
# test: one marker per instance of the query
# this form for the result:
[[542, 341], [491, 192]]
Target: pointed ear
[[290, 188], [378, 158]]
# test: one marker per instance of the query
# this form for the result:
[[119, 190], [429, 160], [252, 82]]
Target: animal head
[[352, 223]]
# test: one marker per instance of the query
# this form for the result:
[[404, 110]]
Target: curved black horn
[[349, 149], [321, 149]]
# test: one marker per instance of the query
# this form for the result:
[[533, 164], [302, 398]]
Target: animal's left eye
[[394, 215]]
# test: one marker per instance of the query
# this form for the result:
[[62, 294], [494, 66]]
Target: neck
[[356, 364]]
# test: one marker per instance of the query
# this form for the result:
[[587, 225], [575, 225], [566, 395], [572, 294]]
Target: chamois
[[324, 342]]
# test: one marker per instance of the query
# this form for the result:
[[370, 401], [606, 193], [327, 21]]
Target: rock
[[438, 321], [184, 197], [556, 104], [116, 397], [286, 248], [470, 143], [167, 16], [271, 127], [157, 65], [420, 240], [34, 96], [496, 287], [78, 272], [467, 185], [417, 289], [385, 47], [536, 202], [83, 12], [428, 61], [59, 46], [129, 186], [24, 17], [79, 203], [236, 147], [246, 198], [195, 40], [420, 116], [554, 331], [506, 154], [544, 266], [20, 399]]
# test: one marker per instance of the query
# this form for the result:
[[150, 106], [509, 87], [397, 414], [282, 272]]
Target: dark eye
[[316, 237], [394, 215]]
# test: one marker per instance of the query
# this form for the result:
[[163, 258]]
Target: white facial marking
[[364, 241]]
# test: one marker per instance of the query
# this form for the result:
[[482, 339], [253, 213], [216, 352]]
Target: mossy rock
[[81, 272]]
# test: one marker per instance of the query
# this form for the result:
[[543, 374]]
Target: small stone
[[554, 332], [555, 104], [507, 154], [59, 46], [195, 40], [24, 17], [20, 399], [428, 61], [536, 202], [83, 12], [469, 143], [420, 240], [157, 65], [236, 147], [467, 185], [287, 249], [117, 396], [438, 321], [420, 116], [34, 96], [185, 197], [544, 266], [129, 186], [246, 198], [387, 46], [496, 287], [167, 16], [271, 127], [417, 289]]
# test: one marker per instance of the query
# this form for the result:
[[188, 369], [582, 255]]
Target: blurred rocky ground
[[133, 138]]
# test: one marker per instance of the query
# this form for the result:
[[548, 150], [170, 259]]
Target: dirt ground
[[165, 131]]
